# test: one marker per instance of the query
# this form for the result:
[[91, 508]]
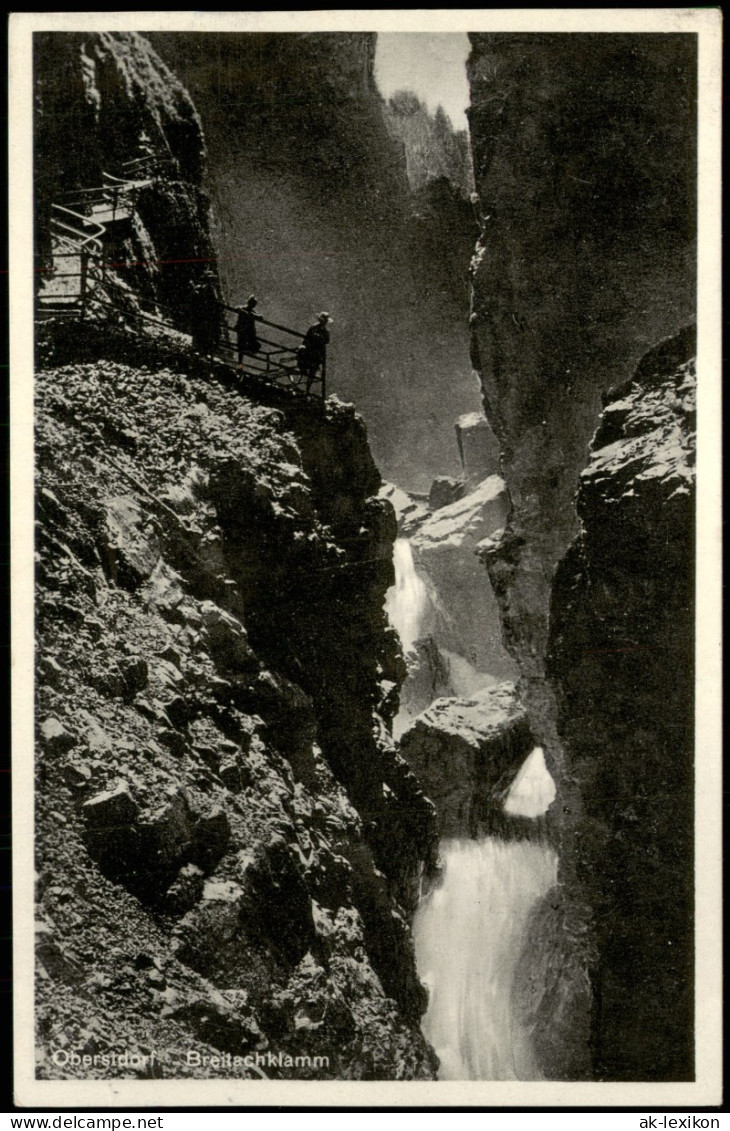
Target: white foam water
[[469, 933], [406, 601]]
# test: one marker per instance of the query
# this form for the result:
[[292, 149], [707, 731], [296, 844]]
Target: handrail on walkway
[[86, 239], [82, 236], [264, 321]]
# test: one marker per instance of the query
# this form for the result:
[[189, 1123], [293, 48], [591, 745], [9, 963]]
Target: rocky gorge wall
[[442, 604], [584, 155], [466, 753], [621, 658], [433, 149], [584, 158], [240, 801], [102, 100], [313, 211], [229, 846]]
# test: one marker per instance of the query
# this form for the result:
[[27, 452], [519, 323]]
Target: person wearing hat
[[205, 313], [313, 351], [246, 330]]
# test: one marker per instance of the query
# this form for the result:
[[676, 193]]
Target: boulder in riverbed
[[464, 752]]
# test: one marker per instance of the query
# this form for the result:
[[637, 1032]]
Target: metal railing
[[78, 240], [116, 196], [74, 226], [276, 359], [148, 166]]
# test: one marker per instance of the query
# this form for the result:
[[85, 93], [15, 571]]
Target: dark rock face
[[433, 148], [478, 447], [442, 603], [444, 490], [316, 615], [313, 211], [584, 160], [227, 796], [463, 617], [105, 99], [229, 845], [622, 661]]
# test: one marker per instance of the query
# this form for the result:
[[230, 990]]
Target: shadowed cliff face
[[621, 658], [432, 147], [226, 835], [584, 160], [467, 752], [313, 211], [229, 845], [98, 93]]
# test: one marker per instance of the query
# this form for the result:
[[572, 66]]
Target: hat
[[323, 317], [251, 300]]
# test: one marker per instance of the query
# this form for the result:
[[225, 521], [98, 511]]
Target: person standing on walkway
[[312, 354], [205, 314], [247, 339]]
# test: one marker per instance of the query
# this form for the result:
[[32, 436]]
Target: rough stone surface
[[55, 737], [463, 617], [478, 447], [245, 747], [211, 576], [621, 660], [442, 602], [465, 521], [101, 100], [112, 808], [466, 752], [444, 491], [583, 153]]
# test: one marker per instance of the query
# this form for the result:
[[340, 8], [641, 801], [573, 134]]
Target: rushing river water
[[469, 933], [406, 601]]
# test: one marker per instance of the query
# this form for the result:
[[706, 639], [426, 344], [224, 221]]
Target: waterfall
[[469, 933], [407, 600]]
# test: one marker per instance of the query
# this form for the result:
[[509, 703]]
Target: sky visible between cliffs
[[432, 66]]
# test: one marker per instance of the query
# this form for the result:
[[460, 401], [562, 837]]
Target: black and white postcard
[[365, 441]]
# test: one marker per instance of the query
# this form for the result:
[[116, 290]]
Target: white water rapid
[[406, 601], [469, 933]]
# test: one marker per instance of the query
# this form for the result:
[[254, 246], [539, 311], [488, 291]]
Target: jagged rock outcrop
[[313, 211], [478, 448], [229, 845], [442, 604], [433, 148], [621, 659], [444, 491], [103, 100], [466, 752]]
